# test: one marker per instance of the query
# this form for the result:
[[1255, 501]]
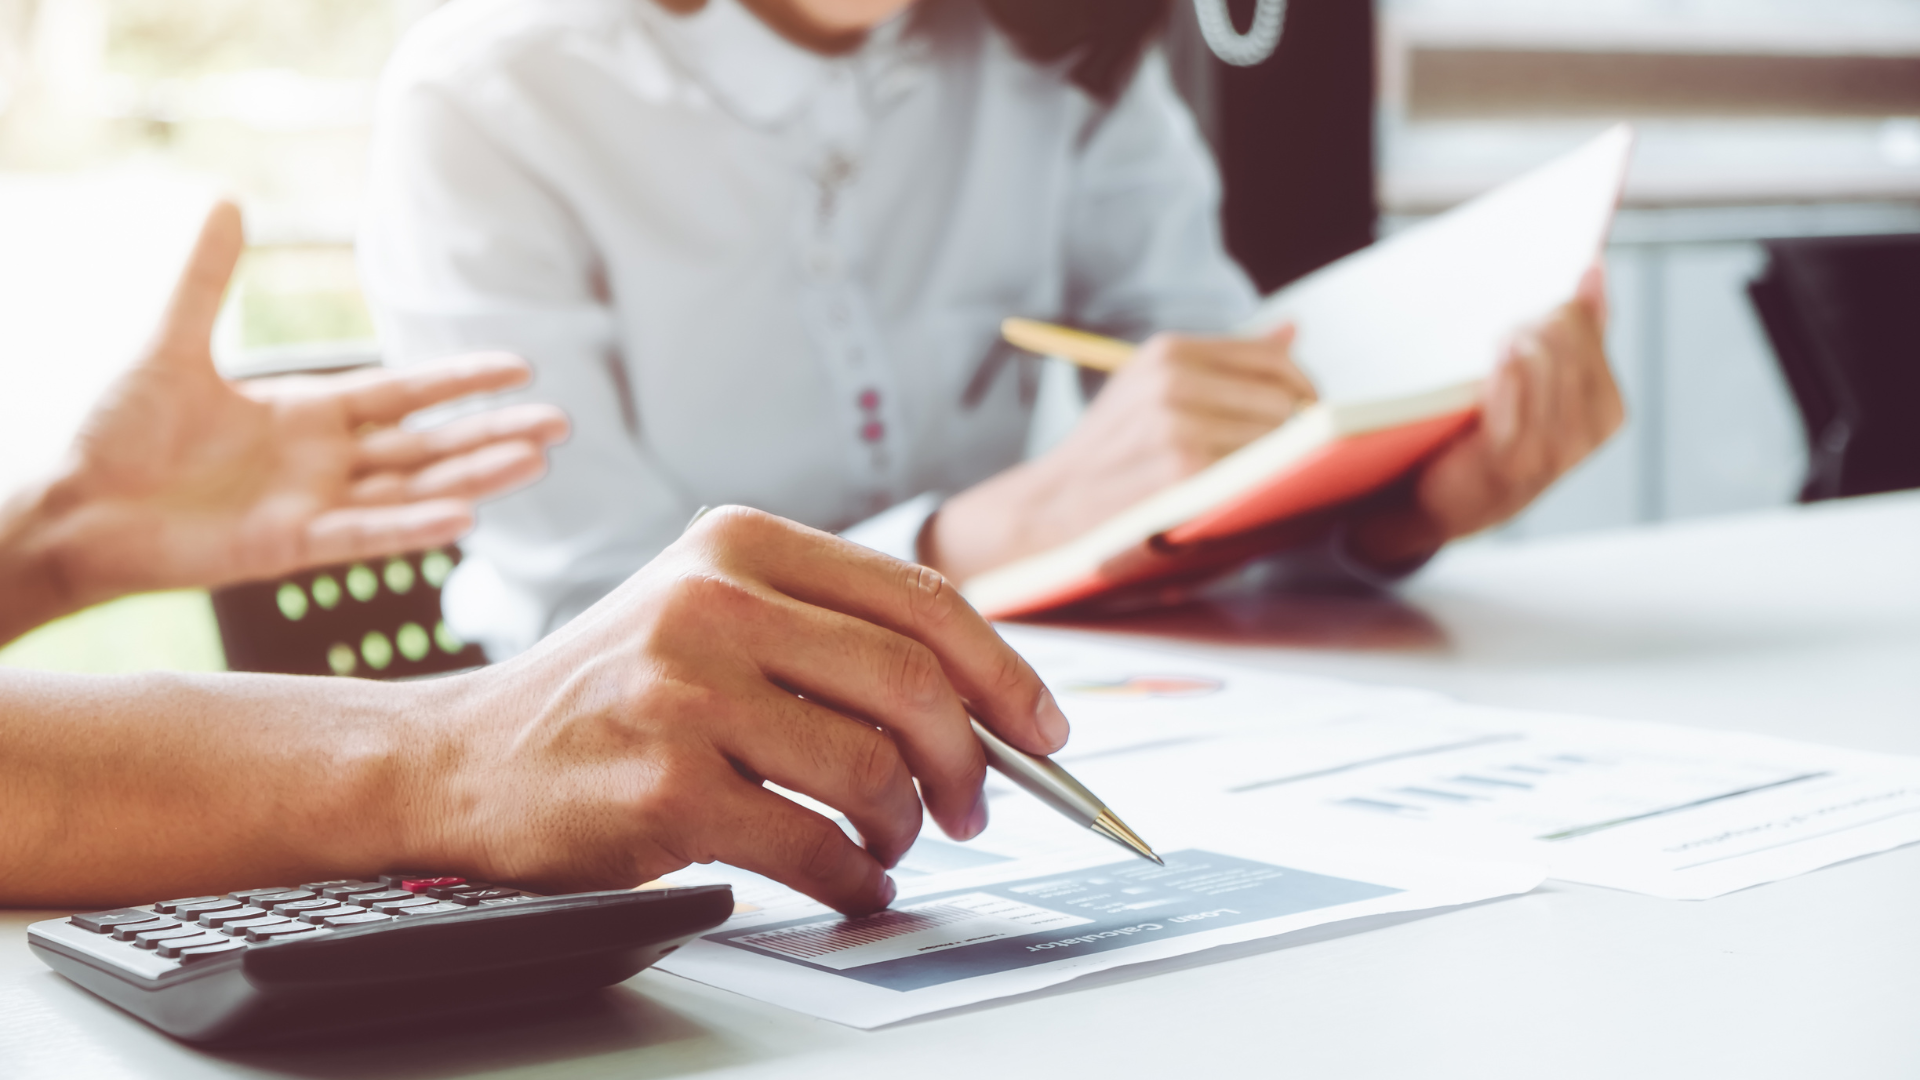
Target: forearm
[[32, 591], [1016, 513], [127, 788]]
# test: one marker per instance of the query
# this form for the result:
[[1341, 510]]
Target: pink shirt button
[[869, 399], [872, 431]]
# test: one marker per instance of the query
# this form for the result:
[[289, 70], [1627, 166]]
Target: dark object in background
[[378, 619], [1841, 312], [1295, 140]]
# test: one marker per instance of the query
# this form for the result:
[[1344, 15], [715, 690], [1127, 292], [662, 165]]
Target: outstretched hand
[[181, 478]]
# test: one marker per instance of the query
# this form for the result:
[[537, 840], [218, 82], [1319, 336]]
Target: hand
[[1548, 405], [636, 739], [1182, 404], [180, 478]]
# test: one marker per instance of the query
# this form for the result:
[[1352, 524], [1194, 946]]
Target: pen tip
[[1116, 830]]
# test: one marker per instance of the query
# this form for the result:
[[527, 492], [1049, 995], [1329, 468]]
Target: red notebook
[[1396, 339]]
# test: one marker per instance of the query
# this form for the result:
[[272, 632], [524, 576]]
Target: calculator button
[[393, 880], [356, 917], [172, 947], [189, 912], [321, 887], [101, 922], [351, 889], [218, 919], [268, 900], [301, 907], [448, 892], [147, 939], [438, 907], [510, 898], [316, 915], [392, 906], [208, 952], [133, 930], [368, 899], [279, 933], [165, 907], [247, 895], [243, 925], [422, 885], [483, 896]]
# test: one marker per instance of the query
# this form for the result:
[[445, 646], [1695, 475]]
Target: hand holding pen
[[1041, 778]]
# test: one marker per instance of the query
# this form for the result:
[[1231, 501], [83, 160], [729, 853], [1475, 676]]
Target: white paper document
[[1015, 926], [1668, 811], [1284, 802]]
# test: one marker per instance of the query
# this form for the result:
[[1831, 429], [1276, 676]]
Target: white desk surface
[[1802, 623]]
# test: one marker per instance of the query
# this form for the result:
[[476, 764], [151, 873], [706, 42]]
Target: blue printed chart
[[962, 935], [1019, 926]]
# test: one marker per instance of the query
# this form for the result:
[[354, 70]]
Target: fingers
[[490, 471], [757, 830], [854, 768], [1211, 392], [186, 328], [397, 449], [387, 397], [867, 671], [370, 532], [1594, 389], [826, 571], [1216, 395], [1258, 360], [1210, 438], [1501, 404]]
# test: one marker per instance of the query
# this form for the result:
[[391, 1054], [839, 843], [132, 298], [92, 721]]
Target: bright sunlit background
[[119, 120]]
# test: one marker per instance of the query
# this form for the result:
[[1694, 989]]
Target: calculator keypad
[[194, 929]]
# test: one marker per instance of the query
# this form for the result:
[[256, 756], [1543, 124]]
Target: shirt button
[[872, 431], [869, 400]]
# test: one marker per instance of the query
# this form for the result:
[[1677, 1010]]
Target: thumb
[[186, 329], [1592, 293]]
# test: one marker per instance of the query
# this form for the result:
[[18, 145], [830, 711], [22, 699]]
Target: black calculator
[[263, 964]]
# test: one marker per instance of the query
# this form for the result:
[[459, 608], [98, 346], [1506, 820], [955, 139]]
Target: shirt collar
[[755, 73]]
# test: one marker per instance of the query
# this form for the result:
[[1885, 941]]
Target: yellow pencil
[[1087, 350]]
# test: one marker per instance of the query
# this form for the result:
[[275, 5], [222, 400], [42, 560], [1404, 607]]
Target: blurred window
[[119, 119]]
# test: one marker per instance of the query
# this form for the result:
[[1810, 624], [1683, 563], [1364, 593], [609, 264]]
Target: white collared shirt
[[753, 274]]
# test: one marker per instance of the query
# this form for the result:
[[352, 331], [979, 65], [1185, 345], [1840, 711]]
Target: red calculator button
[[423, 884]]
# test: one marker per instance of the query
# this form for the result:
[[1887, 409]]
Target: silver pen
[[1054, 786], [1048, 782]]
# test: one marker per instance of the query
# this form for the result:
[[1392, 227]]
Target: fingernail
[[976, 818], [1052, 722], [888, 890]]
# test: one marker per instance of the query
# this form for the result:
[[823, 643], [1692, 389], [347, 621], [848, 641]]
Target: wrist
[[432, 725], [994, 522]]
